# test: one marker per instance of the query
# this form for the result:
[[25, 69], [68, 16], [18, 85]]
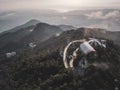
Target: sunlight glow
[[60, 5]]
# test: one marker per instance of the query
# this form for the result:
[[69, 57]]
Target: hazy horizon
[[91, 13], [60, 5]]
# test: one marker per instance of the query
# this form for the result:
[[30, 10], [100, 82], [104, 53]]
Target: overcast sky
[[57, 4]]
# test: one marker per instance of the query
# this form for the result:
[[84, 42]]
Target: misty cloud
[[57, 4], [6, 15], [103, 25], [102, 18], [100, 15]]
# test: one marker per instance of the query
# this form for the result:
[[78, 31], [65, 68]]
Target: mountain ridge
[[34, 33], [42, 67]]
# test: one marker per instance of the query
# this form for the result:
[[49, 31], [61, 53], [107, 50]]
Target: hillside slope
[[42, 68], [20, 38], [80, 33]]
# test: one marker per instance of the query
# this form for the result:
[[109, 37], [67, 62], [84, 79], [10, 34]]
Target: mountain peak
[[32, 22], [66, 27]]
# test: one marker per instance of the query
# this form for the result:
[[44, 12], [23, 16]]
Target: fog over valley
[[100, 18]]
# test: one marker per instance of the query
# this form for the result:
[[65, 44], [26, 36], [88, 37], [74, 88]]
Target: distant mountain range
[[66, 27], [30, 32], [32, 22], [98, 18], [29, 23], [37, 32]]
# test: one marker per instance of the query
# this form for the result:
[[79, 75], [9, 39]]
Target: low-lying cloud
[[100, 15], [7, 15]]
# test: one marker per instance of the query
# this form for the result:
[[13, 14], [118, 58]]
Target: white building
[[10, 54], [32, 45]]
